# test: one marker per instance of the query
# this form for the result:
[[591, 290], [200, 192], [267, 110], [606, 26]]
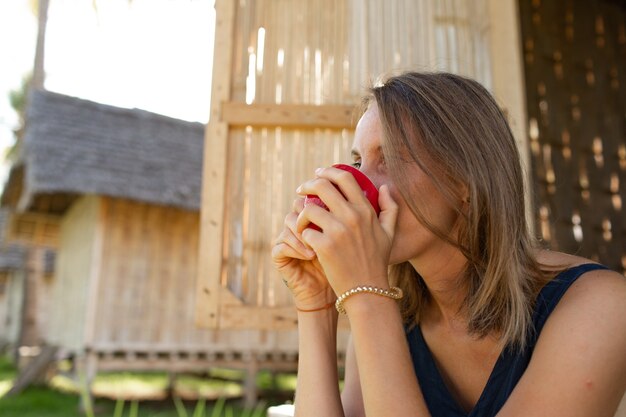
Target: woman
[[488, 325]]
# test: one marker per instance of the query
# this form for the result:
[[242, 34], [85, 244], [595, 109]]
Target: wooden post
[[214, 172], [95, 271], [508, 79], [86, 369], [250, 389]]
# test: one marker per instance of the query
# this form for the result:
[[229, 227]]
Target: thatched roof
[[74, 146]]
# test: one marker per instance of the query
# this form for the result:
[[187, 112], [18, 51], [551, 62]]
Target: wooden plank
[[295, 116], [269, 318], [188, 365], [213, 174], [100, 206], [247, 317]]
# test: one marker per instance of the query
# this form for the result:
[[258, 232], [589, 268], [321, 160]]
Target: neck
[[443, 275]]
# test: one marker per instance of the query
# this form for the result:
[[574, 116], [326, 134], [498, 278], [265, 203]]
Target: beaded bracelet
[[393, 292]]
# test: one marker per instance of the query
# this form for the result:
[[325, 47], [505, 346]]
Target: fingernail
[[299, 189], [318, 170]]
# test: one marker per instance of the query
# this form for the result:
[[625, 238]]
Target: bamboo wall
[[124, 293], [278, 57], [148, 268]]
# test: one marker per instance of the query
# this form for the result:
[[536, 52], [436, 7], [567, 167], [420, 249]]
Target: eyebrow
[[355, 154]]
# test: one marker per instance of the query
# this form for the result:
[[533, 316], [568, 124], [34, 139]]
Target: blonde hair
[[452, 128]]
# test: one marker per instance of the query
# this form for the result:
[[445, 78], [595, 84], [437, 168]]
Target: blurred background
[[151, 149], [152, 55]]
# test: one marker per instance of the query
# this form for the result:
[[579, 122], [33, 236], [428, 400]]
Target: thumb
[[388, 211]]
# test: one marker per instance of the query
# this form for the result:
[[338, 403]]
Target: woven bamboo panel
[[34, 229], [145, 300], [327, 51], [149, 266], [575, 63], [261, 170], [321, 52]]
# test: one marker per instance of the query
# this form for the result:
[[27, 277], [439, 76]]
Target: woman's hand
[[354, 245], [299, 266]]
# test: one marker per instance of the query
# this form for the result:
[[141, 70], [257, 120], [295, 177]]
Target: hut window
[[4, 278]]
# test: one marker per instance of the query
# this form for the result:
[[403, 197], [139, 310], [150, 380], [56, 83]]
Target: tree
[[39, 73]]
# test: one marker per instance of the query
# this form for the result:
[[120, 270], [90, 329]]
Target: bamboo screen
[[286, 56], [575, 62]]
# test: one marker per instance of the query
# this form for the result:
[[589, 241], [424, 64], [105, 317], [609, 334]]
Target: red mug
[[369, 190]]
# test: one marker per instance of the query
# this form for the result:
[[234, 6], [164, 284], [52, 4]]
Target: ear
[[464, 194], [464, 203]]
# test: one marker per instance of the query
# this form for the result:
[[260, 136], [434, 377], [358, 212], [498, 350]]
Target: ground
[[144, 395]]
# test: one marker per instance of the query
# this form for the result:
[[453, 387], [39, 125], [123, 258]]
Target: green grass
[[37, 400], [142, 395], [47, 402]]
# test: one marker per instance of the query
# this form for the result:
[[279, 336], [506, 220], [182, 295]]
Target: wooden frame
[[214, 173], [217, 307], [231, 118], [288, 115]]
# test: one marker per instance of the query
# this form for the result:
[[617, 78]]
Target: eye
[[357, 164]]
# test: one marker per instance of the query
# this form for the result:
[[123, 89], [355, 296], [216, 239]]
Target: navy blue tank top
[[509, 367]]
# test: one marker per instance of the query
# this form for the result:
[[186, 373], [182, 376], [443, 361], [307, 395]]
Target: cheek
[[378, 180], [408, 234]]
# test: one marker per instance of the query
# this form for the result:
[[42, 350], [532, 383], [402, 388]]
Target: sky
[[154, 55]]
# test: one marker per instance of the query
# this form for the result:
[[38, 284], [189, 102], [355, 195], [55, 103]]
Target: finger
[[312, 237], [283, 251], [313, 214], [346, 182], [327, 192], [287, 237], [388, 211], [298, 205], [291, 224]]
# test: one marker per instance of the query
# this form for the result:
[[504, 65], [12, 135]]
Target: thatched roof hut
[[76, 147], [125, 187]]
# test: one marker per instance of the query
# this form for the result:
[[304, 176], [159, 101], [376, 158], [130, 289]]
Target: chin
[[398, 258]]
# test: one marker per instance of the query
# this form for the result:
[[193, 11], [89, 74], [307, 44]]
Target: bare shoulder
[[559, 260], [599, 291], [578, 364], [596, 282], [596, 294], [598, 286]]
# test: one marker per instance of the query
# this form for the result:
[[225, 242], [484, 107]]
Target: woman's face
[[413, 241]]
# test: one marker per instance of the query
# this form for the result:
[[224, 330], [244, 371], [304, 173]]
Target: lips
[[369, 190]]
